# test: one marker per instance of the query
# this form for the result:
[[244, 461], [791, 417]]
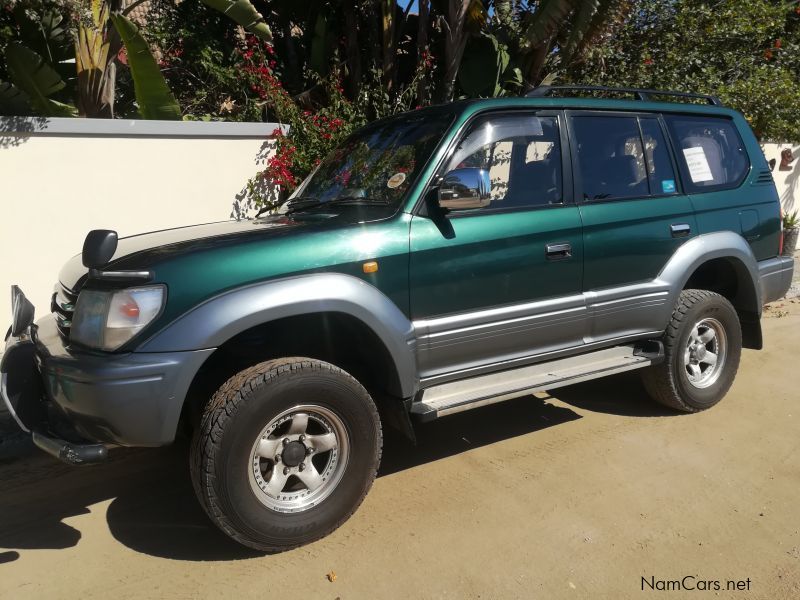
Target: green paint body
[[486, 260]]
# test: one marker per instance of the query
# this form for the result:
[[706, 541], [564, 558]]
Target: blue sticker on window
[[668, 186]]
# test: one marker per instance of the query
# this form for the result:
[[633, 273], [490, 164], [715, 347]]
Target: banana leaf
[[580, 25], [549, 16], [153, 95], [245, 14], [13, 101], [484, 62], [321, 41], [38, 80]]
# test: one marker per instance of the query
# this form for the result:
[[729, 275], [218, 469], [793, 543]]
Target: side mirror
[[465, 188], [98, 248]]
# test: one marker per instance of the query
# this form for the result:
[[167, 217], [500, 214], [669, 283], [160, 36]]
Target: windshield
[[379, 163]]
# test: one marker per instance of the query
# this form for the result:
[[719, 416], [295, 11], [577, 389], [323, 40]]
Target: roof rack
[[640, 94]]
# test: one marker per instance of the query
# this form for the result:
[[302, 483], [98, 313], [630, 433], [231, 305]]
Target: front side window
[[522, 154], [611, 160], [710, 152]]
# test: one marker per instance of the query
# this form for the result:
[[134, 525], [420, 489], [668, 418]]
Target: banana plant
[[153, 95], [13, 101], [36, 79], [244, 14], [483, 66], [94, 61], [590, 20], [39, 68], [455, 41]]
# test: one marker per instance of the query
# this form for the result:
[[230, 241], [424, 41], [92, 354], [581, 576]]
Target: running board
[[448, 398]]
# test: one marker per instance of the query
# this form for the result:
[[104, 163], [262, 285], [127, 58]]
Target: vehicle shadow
[[471, 429], [152, 505], [622, 395], [153, 509]]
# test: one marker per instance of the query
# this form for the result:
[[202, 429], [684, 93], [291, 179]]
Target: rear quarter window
[[710, 152]]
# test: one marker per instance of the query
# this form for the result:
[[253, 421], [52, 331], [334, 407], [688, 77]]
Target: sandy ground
[[578, 495]]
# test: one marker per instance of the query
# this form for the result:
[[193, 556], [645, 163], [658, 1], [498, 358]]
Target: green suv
[[439, 260]]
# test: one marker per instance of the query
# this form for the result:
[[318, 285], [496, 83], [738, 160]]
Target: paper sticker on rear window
[[697, 164]]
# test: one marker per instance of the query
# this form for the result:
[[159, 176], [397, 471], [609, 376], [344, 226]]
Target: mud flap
[[396, 414]]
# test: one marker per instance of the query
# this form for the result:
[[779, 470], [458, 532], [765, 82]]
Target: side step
[[457, 396]]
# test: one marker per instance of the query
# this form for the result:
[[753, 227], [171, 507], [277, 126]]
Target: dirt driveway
[[578, 495]]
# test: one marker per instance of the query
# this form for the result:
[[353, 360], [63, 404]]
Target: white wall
[[59, 178], [788, 181]]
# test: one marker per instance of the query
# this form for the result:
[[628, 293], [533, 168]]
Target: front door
[[496, 285]]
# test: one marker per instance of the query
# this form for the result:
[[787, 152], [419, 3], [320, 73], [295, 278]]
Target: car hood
[[142, 251]]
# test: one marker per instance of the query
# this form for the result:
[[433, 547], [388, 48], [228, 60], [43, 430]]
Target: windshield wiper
[[299, 201], [341, 200], [357, 200]]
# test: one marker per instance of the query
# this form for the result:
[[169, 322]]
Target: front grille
[[63, 307]]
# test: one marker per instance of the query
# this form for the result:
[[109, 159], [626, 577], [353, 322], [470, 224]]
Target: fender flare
[[703, 248], [215, 321]]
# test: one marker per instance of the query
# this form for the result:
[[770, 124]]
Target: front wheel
[[702, 344], [286, 452]]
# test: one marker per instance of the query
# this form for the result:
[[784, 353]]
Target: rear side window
[[710, 152], [611, 159]]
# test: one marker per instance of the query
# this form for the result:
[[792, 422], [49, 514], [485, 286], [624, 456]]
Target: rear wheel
[[703, 344], [286, 452]]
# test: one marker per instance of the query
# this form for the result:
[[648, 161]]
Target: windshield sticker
[[536, 126], [697, 163], [668, 186], [396, 180]]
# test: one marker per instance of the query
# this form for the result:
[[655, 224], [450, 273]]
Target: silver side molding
[[457, 396]]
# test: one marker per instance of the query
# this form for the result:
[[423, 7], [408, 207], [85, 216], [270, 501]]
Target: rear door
[[634, 213], [501, 283], [715, 166]]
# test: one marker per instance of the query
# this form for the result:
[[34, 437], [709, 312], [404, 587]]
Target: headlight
[[108, 319]]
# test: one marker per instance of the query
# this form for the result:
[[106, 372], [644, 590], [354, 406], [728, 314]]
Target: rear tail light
[[780, 242]]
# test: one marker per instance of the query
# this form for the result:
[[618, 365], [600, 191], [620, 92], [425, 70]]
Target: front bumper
[[132, 399]]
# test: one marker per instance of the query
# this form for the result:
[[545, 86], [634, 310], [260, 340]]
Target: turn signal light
[[130, 309]]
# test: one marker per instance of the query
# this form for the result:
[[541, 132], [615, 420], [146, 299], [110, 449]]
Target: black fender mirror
[[98, 248]]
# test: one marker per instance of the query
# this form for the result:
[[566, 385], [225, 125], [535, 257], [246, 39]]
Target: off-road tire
[[668, 382], [221, 450]]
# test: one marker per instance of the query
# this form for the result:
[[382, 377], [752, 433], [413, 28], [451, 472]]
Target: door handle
[[560, 251], [679, 230]]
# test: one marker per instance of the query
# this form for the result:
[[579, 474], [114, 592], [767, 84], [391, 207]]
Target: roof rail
[[640, 93]]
